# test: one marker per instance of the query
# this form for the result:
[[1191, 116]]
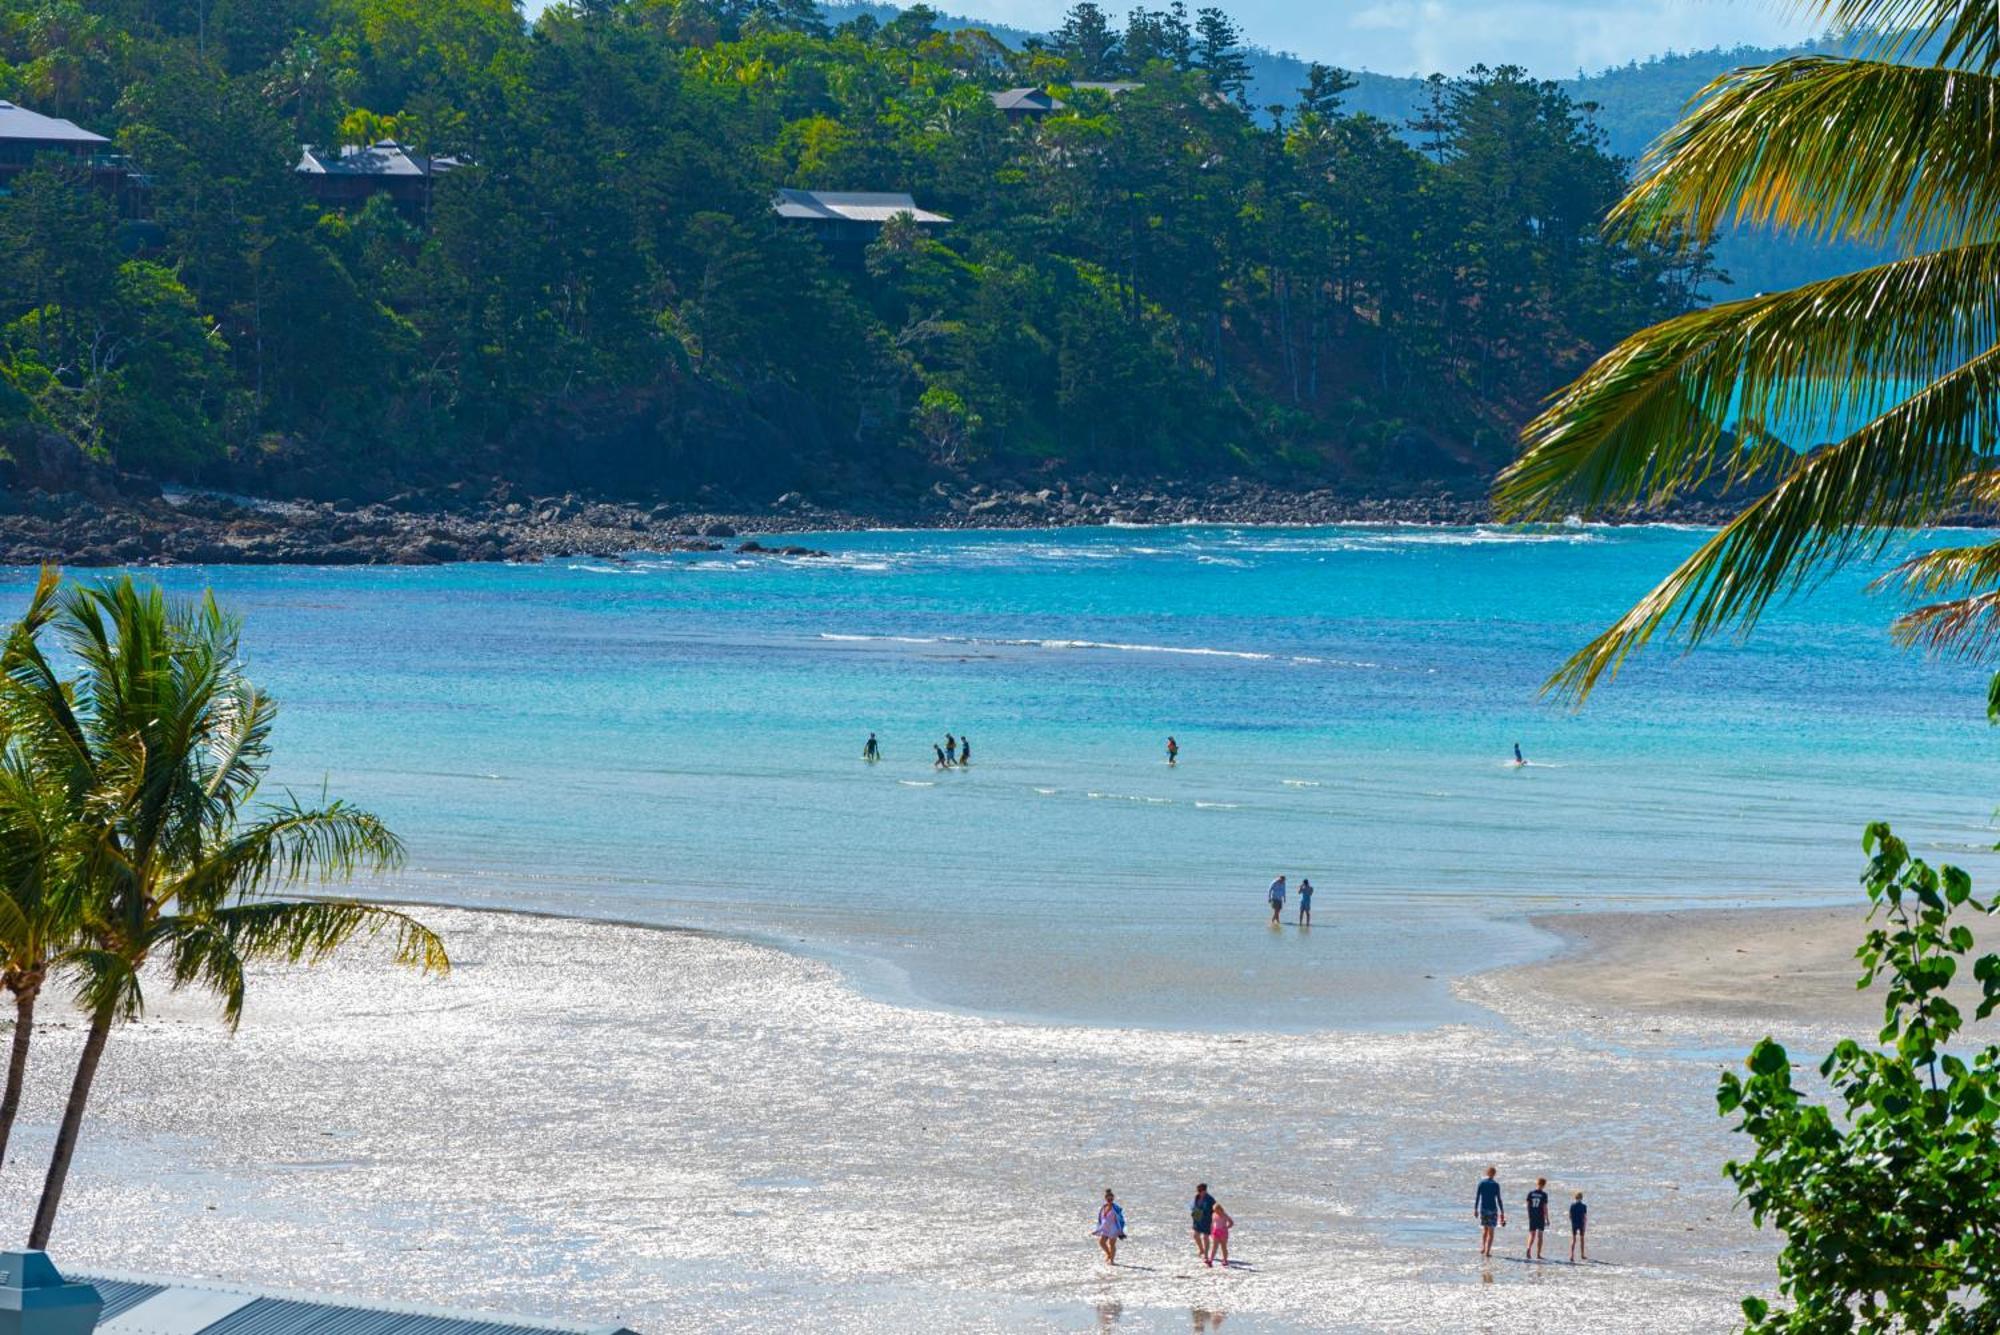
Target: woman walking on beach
[[1201, 1215], [1110, 1227], [1218, 1235]]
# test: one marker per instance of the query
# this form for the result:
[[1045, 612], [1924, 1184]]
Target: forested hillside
[[1148, 282]]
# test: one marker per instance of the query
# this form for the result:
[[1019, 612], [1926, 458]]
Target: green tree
[[1087, 40], [1889, 1199], [1896, 364], [159, 745]]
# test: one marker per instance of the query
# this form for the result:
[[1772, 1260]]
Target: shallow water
[[676, 740], [692, 1133]]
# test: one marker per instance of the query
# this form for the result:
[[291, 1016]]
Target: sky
[[1552, 38]]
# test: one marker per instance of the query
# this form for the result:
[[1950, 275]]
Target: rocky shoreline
[[460, 523]]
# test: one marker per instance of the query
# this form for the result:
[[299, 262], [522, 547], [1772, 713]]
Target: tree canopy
[[1150, 280]]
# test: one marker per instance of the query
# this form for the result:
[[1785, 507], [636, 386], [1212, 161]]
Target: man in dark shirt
[[1201, 1214], [1538, 1217], [1488, 1209], [1577, 1213]]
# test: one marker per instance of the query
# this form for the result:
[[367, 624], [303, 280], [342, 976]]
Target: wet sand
[[1712, 972], [688, 1132]]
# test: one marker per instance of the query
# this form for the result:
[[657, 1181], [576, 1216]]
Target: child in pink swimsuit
[[1218, 1232]]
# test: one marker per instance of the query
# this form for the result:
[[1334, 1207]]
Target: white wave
[[1218, 806], [1130, 797], [1046, 792], [1301, 783], [918, 783], [878, 639]]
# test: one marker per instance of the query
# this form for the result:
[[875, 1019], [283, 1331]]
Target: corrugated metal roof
[[17, 122], [147, 1305], [851, 205], [386, 158], [120, 1294], [1026, 99]]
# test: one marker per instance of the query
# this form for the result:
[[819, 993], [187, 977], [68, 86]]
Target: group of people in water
[[1209, 1221], [956, 753], [1491, 1211]]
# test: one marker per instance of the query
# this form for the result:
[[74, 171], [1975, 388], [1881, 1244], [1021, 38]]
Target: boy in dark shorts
[[1577, 1213], [1487, 1208], [1538, 1217]]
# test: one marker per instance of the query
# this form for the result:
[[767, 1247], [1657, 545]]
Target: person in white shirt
[[1277, 898]]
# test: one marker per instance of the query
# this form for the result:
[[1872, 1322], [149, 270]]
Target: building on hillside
[[27, 136], [350, 177], [36, 1300], [1022, 104], [848, 220], [1108, 87]]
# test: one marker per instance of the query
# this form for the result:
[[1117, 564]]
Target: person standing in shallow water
[[965, 750], [1276, 896], [950, 749], [1110, 1227], [1305, 901], [1173, 752], [1488, 1209], [938, 751], [1201, 1216], [1538, 1217], [872, 751], [1578, 1213]]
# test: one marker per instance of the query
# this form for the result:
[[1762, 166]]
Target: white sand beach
[[688, 1132]]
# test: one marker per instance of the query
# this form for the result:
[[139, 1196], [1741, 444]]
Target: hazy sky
[[1552, 38]]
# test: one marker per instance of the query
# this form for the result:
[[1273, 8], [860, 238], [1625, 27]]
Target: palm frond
[[210, 949], [1968, 627], [1965, 32], [1831, 505], [1654, 416], [107, 981], [289, 846], [1829, 147]]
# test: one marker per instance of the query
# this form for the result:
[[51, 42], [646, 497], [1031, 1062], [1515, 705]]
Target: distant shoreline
[[455, 525]]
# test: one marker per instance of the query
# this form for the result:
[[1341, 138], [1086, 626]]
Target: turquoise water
[[676, 740]]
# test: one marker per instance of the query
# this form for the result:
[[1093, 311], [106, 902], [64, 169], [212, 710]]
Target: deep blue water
[[676, 740]]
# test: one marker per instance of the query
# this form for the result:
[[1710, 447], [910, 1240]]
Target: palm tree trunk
[[72, 1123], [17, 1064]]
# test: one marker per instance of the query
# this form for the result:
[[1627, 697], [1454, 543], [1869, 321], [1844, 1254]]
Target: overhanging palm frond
[[1907, 464], [1966, 33], [288, 846], [1829, 147], [1969, 625], [1649, 419]]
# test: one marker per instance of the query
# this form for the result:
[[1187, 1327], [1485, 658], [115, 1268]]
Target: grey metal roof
[[384, 158], [120, 1294], [1026, 99], [851, 205], [144, 1305], [17, 122]]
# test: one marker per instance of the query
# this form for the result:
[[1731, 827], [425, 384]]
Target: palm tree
[[159, 745], [38, 901], [1876, 147]]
